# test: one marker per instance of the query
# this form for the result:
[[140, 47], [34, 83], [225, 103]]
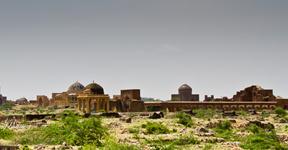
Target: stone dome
[[95, 88], [76, 88], [184, 87]]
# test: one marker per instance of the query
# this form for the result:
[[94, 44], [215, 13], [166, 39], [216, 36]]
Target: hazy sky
[[217, 46]]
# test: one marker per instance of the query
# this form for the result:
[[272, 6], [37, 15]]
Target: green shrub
[[172, 145], [224, 130], [6, 133], [155, 128], [207, 147], [265, 114], [185, 119], [162, 145], [242, 113], [134, 130], [69, 130], [224, 125], [262, 140], [186, 140], [6, 106], [280, 112], [205, 113]]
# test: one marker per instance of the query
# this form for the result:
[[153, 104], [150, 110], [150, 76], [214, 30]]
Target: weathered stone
[[229, 113], [157, 115], [111, 114], [190, 112], [126, 119], [264, 125]]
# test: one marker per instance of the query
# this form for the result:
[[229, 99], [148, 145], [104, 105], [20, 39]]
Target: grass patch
[[205, 113], [6, 133], [224, 130], [265, 114], [174, 144], [155, 128], [261, 139], [280, 112], [6, 106], [242, 113], [207, 147], [185, 119], [134, 130]]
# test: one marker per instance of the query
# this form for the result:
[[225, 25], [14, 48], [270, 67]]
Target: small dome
[[185, 87], [23, 99], [95, 89], [76, 88]]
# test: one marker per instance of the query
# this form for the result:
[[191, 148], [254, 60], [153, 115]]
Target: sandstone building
[[185, 94], [128, 101], [93, 99], [254, 93]]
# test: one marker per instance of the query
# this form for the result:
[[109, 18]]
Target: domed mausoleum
[[185, 94], [93, 99], [76, 88], [94, 88]]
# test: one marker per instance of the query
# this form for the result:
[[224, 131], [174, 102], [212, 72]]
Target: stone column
[[88, 106], [97, 109], [107, 105]]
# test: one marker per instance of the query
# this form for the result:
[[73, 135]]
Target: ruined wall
[[131, 94], [42, 101], [254, 93]]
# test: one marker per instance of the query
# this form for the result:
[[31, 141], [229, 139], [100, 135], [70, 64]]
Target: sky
[[216, 46]]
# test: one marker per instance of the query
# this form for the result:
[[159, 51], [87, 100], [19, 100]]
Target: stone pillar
[[78, 104], [97, 109], [88, 106], [107, 105]]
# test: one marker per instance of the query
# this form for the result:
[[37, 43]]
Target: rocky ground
[[201, 134], [201, 130]]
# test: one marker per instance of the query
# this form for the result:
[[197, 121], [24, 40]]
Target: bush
[[205, 113], [110, 144], [265, 114], [134, 130], [6, 133], [185, 119], [186, 140], [69, 130], [118, 146], [6, 106], [155, 128], [224, 125], [262, 140], [172, 145], [242, 113], [280, 112], [224, 130]]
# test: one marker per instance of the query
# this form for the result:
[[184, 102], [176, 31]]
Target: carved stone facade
[[185, 94], [93, 99]]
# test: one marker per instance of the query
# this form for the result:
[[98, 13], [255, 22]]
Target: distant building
[[185, 94], [128, 101], [22, 101], [254, 93], [42, 101]]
